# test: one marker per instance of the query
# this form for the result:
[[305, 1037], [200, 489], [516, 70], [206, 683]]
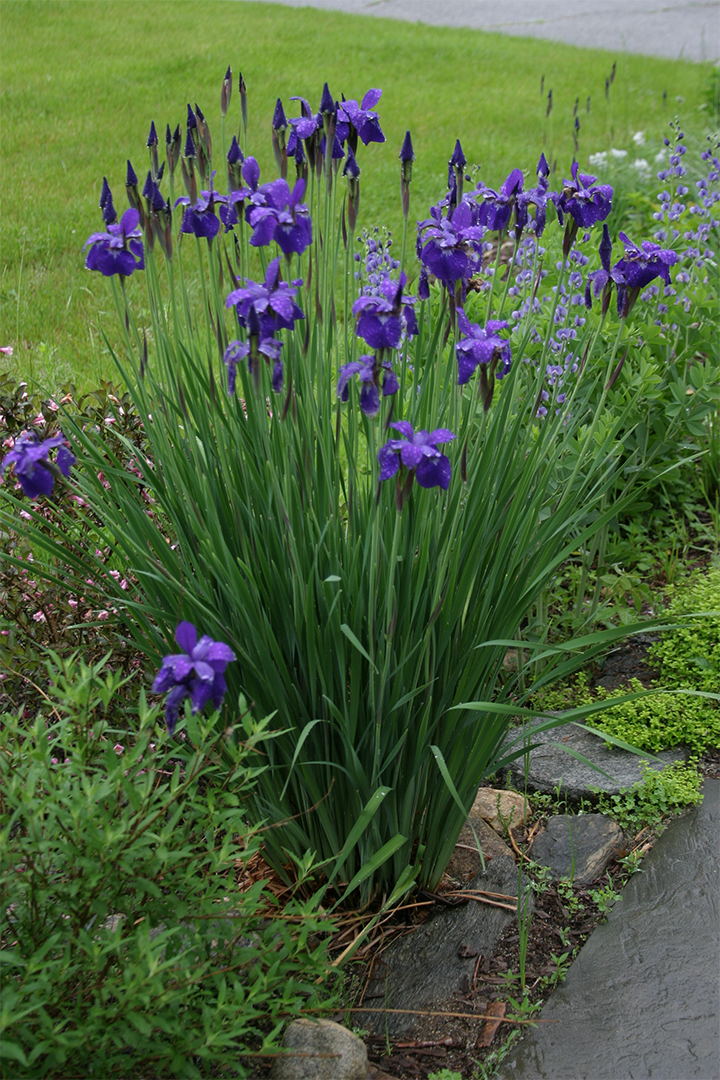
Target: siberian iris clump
[[370, 618]]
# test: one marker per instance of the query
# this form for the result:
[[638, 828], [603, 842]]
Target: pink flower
[[119, 749], [39, 616], [24, 514], [6, 350], [39, 420], [73, 603], [103, 615]]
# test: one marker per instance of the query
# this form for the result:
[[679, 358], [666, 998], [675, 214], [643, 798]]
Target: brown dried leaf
[[489, 1029]]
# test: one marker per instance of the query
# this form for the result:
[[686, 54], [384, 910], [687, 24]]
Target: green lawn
[[81, 81]]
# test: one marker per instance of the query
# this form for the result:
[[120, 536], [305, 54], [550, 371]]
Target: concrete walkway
[[642, 1000], [687, 29]]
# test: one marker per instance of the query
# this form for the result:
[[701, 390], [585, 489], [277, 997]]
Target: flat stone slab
[[465, 861], [554, 769], [642, 1000], [577, 847], [500, 808], [428, 966]]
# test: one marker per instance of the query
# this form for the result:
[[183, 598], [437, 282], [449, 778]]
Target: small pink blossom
[[6, 350], [102, 615], [119, 749], [73, 603], [53, 405], [24, 514], [39, 616], [39, 420]]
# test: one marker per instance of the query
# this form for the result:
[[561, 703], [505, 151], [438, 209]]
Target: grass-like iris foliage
[[361, 508]]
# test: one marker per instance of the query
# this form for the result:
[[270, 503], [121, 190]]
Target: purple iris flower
[[119, 250], [199, 217], [603, 279], [641, 265], [32, 467], [250, 172], [257, 346], [283, 218], [305, 129], [360, 120], [451, 247], [497, 206], [198, 672], [384, 316], [537, 196], [368, 369], [481, 346], [273, 302], [419, 453], [582, 199]]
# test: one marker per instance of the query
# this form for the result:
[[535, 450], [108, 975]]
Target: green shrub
[[661, 721], [690, 656], [658, 793], [689, 659], [127, 948]]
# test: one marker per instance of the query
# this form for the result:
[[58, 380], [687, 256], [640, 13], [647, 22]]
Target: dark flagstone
[[642, 1000], [577, 847]]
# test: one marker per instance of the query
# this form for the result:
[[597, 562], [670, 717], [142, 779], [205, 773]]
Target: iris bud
[[226, 92]]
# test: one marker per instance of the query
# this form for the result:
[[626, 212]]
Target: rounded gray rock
[[324, 1050]]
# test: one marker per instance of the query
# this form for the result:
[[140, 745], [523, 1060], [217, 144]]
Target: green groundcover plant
[[364, 513], [126, 947]]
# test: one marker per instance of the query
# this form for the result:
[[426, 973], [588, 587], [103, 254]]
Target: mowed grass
[[80, 83]]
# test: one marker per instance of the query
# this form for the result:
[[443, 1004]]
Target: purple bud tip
[[406, 154], [191, 120], [131, 178], [199, 113], [543, 169], [152, 137], [176, 134], [168, 135], [234, 154], [279, 122], [351, 169], [327, 102], [241, 84], [190, 146], [160, 173], [105, 193], [149, 189], [458, 160], [228, 75]]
